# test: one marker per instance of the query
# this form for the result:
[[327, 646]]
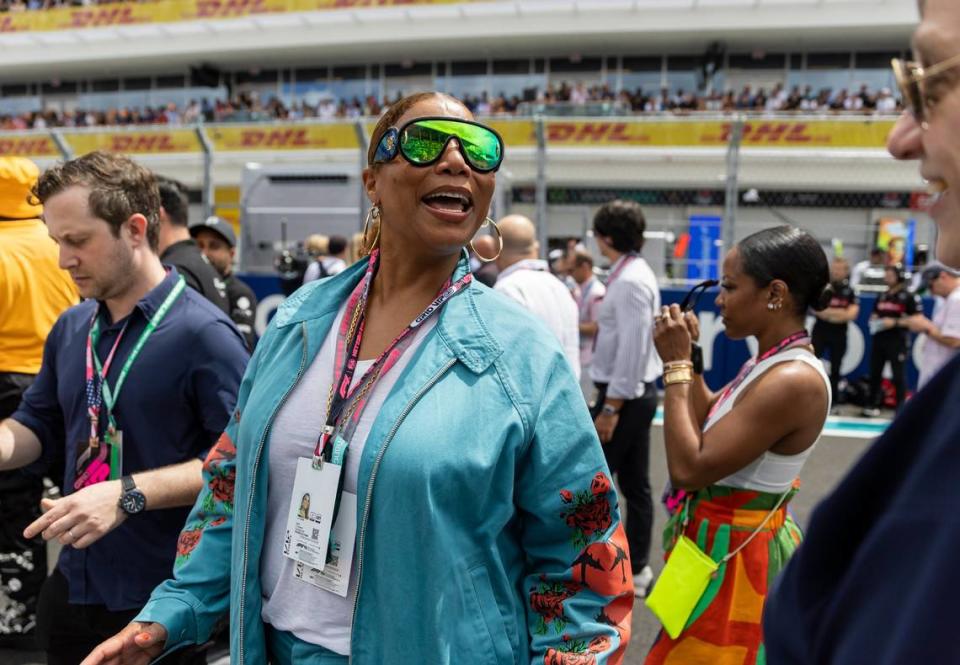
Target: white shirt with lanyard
[[303, 567]]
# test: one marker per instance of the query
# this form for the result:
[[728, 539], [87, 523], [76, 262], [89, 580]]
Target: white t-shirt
[[935, 355], [531, 284], [312, 614]]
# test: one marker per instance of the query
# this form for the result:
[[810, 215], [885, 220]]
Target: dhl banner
[[518, 133], [172, 11], [772, 133], [283, 137], [147, 141], [27, 145]]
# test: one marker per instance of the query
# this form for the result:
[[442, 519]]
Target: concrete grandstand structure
[[823, 170]]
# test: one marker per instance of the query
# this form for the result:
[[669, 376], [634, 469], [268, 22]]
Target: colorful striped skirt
[[725, 627]]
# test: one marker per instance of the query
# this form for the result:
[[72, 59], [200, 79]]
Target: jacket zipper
[[253, 487], [373, 476]]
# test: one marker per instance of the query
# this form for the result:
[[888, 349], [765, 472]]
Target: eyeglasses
[[423, 141], [690, 300], [910, 78]]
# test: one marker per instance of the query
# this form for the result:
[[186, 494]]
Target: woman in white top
[[736, 453]]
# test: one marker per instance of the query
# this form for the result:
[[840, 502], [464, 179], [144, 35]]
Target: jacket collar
[[460, 326]]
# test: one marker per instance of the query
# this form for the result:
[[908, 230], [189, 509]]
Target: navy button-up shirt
[[176, 400]]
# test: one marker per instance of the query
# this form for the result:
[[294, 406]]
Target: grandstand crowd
[[250, 106]]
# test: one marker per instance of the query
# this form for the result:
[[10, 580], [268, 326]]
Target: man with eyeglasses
[[874, 581]]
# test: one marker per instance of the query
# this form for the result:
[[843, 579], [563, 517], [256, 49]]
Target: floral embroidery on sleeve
[[546, 599], [588, 511], [577, 652]]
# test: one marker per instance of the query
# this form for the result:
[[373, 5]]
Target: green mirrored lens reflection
[[422, 142]]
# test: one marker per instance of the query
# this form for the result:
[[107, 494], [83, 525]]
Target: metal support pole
[[362, 140], [732, 189], [62, 145], [540, 195], [208, 189]]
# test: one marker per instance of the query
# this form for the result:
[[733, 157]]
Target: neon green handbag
[[686, 575], [681, 585]]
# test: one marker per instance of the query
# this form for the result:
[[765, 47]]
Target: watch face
[[133, 502]]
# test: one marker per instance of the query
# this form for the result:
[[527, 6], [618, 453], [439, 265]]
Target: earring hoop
[[373, 216], [490, 222]]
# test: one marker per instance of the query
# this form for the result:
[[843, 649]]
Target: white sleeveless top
[[771, 472]]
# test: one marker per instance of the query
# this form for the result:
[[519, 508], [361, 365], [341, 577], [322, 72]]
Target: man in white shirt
[[589, 295], [527, 279], [942, 334], [625, 366]]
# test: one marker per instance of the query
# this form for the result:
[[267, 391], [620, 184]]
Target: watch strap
[[127, 484]]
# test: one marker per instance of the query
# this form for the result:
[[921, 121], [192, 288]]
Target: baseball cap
[[931, 272], [18, 175], [217, 225]]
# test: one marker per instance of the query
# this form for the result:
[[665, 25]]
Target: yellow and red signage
[[172, 11], [141, 142], [27, 145], [288, 136], [692, 133], [517, 133]]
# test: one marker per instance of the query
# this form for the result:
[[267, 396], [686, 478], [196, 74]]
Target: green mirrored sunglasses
[[423, 141]]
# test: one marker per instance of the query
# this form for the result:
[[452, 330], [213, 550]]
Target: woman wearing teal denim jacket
[[487, 526]]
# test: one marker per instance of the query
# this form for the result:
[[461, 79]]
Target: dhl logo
[[226, 8], [91, 18], [25, 146], [771, 132], [143, 143], [275, 138], [596, 132], [7, 24]]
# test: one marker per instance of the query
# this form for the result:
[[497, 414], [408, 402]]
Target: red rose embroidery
[[588, 511], [188, 541], [218, 521], [600, 484], [591, 518], [222, 486], [546, 599], [555, 657]]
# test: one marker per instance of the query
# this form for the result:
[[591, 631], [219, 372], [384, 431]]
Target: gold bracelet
[[677, 376], [678, 364]]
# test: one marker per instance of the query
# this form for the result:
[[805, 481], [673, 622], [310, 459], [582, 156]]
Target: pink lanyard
[[799, 337], [339, 416], [95, 380]]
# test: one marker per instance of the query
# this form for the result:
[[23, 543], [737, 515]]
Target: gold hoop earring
[[490, 222], [373, 216]]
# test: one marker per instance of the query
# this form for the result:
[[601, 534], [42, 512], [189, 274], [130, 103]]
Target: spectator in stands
[[179, 250], [941, 340], [132, 438], [527, 279], [830, 329], [34, 291], [624, 368], [891, 337], [217, 241]]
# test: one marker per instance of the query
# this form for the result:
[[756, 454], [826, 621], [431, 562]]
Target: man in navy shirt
[[136, 384], [876, 579]]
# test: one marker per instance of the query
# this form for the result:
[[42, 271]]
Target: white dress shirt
[[946, 317], [589, 296], [531, 284], [624, 356]]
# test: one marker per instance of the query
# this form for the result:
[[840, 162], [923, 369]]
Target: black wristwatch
[[132, 500], [696, 356]]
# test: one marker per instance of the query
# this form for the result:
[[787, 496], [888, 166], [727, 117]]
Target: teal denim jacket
[[488, 530]]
